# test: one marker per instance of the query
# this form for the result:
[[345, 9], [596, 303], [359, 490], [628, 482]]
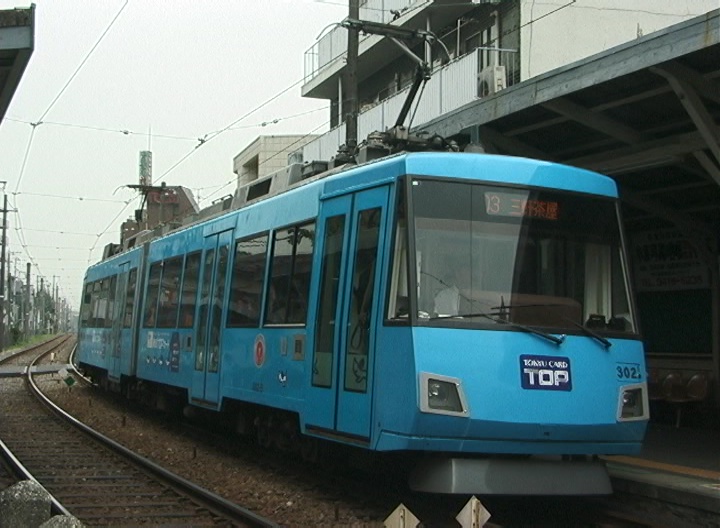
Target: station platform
[[678, 471], [12, 371]]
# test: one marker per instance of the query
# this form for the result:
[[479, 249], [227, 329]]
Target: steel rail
[[212, 502]]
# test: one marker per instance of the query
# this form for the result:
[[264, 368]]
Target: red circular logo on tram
[[259, 354]]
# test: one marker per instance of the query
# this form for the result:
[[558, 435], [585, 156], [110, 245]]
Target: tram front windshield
[[487, 254]]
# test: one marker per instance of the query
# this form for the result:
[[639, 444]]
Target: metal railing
[[331, 47], [453, 85]]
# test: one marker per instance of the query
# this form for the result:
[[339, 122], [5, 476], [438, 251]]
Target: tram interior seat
[[678, 392]]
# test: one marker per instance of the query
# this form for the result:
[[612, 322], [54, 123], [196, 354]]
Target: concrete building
[[267, 154], [162, 206], [487, 46]]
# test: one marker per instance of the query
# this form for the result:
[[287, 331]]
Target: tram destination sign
[[518, 205]]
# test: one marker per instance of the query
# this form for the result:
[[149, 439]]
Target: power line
[[18, 228], [57, 247], [271, 157], [80, 198], [208, 137], [82, 63], [125, 132], [60, 232]]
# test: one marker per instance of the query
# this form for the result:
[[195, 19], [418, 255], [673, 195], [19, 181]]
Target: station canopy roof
[[16, 46], [646, 113]]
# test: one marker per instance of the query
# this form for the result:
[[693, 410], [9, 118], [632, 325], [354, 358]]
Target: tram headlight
[[441, 394], [633, 402]]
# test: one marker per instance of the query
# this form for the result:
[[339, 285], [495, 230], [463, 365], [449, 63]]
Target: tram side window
[[246, 285], [94, 301], [153, 290], [168, 293], [86, 306], [398, 300], [188, 294], [328, 294], [110, 314], [130, 298], [288, 290], [100, 294]]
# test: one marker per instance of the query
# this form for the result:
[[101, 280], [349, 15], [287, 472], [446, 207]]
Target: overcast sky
[[167, 72]]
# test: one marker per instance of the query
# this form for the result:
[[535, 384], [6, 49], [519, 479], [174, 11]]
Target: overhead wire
[[82, 63], [60, 232], [234, 180], [18, 228], [80, 198], [125, 132], [207, 138], [201, 141]]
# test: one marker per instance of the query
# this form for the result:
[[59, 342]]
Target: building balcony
[[454, 85], [325, 60]]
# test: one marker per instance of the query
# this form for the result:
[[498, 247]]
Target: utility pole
[[40, 299], [2, 272], [350, 89], [398, 137], [26, 309], [56, 305]]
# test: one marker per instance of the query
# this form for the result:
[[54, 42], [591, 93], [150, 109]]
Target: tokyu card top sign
[[545, 373]]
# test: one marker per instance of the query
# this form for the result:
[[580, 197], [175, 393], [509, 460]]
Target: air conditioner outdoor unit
[[491, 80]]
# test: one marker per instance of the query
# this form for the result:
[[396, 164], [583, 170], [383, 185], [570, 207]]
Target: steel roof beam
[[510, 145], [643, 155], [594, 120], [694, 106]]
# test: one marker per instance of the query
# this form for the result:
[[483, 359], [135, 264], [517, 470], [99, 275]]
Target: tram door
[[118, 311], [348, 310], [206, 375]]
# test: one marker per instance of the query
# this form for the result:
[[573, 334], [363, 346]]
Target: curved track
[[96, 480]]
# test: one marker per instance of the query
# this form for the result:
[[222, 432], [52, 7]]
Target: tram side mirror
[[595, 321]]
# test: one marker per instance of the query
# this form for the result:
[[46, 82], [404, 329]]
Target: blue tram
[[470, 309]]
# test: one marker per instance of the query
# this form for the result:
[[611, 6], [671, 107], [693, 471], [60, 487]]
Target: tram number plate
[[628, 371], [545, 373]]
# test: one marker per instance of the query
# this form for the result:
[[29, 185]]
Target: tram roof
[[17, 28], [647, 113]]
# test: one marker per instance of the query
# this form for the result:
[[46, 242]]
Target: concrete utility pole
[[2, 273], [56, 307], [41, 300], [350, 89], [26, 310]]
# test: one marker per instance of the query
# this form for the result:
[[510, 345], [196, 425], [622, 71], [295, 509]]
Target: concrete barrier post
[[26, 504]]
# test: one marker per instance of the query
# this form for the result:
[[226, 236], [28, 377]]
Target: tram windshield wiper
[[497, 318], [503, 308], [606, 343]]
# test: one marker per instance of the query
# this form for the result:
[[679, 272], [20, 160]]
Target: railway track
[[96, 480], [433, 511]]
